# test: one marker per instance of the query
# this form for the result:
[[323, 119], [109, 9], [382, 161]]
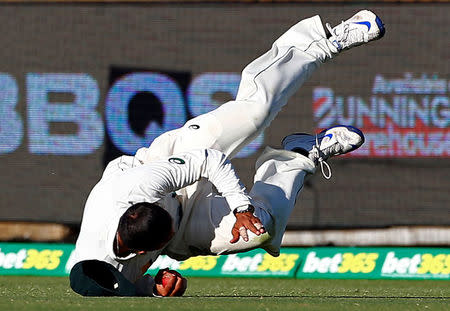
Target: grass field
[[53, 293]]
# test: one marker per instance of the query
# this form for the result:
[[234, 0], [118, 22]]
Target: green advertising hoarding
[[375, 263], [256, 263], [34, 259], [317, 262]]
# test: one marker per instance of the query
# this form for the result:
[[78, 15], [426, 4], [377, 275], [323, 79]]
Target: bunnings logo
[[402, 117]]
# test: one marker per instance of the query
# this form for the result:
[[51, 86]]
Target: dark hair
[[145, 226]]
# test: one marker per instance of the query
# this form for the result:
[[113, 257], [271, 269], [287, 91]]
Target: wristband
[[250, 209]]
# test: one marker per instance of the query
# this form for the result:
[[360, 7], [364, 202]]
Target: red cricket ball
[[166, 278]]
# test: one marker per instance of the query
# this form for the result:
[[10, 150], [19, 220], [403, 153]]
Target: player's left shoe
[[333, 141], [362, 27]]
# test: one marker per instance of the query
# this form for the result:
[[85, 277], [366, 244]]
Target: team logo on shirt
[[176, 161]]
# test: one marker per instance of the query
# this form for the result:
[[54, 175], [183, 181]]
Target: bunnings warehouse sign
[[319, 262]]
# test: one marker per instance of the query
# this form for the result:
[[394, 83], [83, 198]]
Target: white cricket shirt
[[127, 181]]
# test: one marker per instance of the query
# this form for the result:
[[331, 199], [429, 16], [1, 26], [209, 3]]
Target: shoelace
[[342, 35], [317, 153]]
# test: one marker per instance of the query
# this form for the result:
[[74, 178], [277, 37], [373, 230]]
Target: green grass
[[52, 293]]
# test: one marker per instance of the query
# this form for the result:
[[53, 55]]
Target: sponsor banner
[[319, 262], [256, 263], [375, 263], [404, 117], [419, 263], [34, 259]]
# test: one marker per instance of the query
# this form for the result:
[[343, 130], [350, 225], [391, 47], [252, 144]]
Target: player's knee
[[258, 113], [254, 241]]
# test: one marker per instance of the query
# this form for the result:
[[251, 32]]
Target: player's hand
[[170, 283], [246, 221]]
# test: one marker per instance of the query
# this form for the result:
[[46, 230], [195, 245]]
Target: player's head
[[145, 227]]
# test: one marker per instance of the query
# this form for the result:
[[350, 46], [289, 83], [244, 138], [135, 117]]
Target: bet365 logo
[[45, 259]]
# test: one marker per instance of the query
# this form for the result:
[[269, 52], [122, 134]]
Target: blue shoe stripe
[[381, 26], [349, 127], [364, 23], [328, 135]]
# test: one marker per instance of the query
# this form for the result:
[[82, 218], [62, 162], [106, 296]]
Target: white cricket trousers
[[265, 87]]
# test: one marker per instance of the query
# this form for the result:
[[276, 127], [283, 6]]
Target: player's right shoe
[[333, 141], [362, 27]]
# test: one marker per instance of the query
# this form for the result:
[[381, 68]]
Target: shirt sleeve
[[159, 178]]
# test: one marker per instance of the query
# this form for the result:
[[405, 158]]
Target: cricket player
[[181, 195]]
